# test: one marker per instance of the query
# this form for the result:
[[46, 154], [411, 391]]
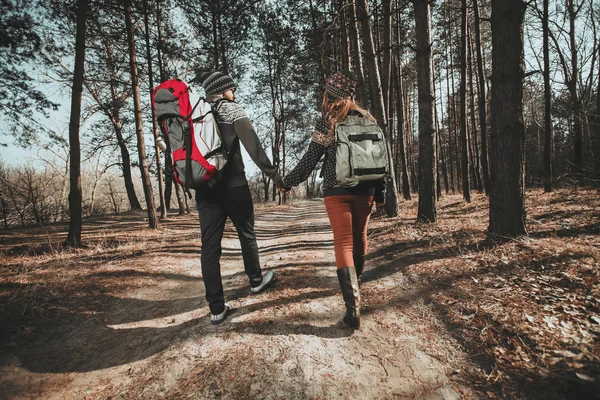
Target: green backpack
[[361, 151]]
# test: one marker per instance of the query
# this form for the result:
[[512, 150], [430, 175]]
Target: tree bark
[[344, 37], [597, 134], [482, 100], [115, 117], [575, 100], [475, 142], [548, 135], [159, 172], [323, 74], [454, 112], [449, 106], [134, 203], [362, 11], [441, 142], [146, 182], [377, 101], [463, 104], [401, 142], [436, 127], [507, 208], [355, 53], [75, 193], [427, 158], [387, 55]]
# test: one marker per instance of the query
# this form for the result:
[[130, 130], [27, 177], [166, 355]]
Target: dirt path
[[155, 341]]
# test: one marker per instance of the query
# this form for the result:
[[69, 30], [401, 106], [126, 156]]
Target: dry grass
[[527, 311]]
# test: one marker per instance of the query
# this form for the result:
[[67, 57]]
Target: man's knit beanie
[[215, 82], [340, 85]]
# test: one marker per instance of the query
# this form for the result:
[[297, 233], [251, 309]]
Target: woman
[[348, 208]]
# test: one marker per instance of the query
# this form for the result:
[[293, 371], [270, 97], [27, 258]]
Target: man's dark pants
[[214, 206]]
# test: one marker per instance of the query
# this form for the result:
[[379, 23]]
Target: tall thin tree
[[597, 135], [481, 98], [507, 205], [355, 52], [159, 171], [548, 135], [75, 193], [362, 12], [135, 85], [427, 211], [463, 103]]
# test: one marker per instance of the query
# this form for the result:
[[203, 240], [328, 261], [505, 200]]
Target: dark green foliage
[[22, 45]]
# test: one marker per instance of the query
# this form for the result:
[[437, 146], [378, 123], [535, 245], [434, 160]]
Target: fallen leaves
[[531, 305]]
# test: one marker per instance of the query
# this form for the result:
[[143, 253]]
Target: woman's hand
[[283, 188]]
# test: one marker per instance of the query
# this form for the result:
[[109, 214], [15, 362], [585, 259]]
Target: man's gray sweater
[[234, 123]]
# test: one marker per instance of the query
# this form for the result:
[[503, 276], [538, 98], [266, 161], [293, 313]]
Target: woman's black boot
[[350, 292], [359, 264]]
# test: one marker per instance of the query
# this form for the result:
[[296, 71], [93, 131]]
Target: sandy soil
[[132, 322]]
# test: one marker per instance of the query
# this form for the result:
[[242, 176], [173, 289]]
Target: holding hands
[[283, 188]]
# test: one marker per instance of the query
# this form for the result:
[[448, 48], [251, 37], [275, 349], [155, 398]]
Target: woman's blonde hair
[[336, 111]]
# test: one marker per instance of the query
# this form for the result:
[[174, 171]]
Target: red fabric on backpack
[[180, 91]]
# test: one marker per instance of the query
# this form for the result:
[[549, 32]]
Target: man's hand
[[283, 188]]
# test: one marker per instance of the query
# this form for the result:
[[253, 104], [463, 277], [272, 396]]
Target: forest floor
[[446, 314]]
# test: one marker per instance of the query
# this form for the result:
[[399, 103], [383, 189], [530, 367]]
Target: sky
[[58, 120]]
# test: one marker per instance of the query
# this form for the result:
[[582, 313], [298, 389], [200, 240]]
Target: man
[[230, 197]]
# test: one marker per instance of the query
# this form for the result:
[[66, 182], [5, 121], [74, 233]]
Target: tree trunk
[[362, 11], [161, 189], [215, 35], [597, 130], [146, 182], [441, 142], [482, 100], [344, 37], [475, 141], [450, 108], [356, 54], [427, 159], [400, 116], [463, 104], [377, 101], [323, 74], [180, 199], [548, 136], [75, 194], [387, 53], [454, 137], [575, 101], [436, 127], [126, 168], [169, 180], [507, 208]]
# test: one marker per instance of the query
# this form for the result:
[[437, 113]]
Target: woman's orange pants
[[349, 217]]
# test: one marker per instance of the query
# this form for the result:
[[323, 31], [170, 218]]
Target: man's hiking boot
[[217, 319], [267, 279], [351, 293]]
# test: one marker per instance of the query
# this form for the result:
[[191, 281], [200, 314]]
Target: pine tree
[[507, 206]]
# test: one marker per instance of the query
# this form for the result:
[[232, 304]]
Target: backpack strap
[[187, 142]]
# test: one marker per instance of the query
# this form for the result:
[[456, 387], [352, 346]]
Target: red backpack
[[198, 150]]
